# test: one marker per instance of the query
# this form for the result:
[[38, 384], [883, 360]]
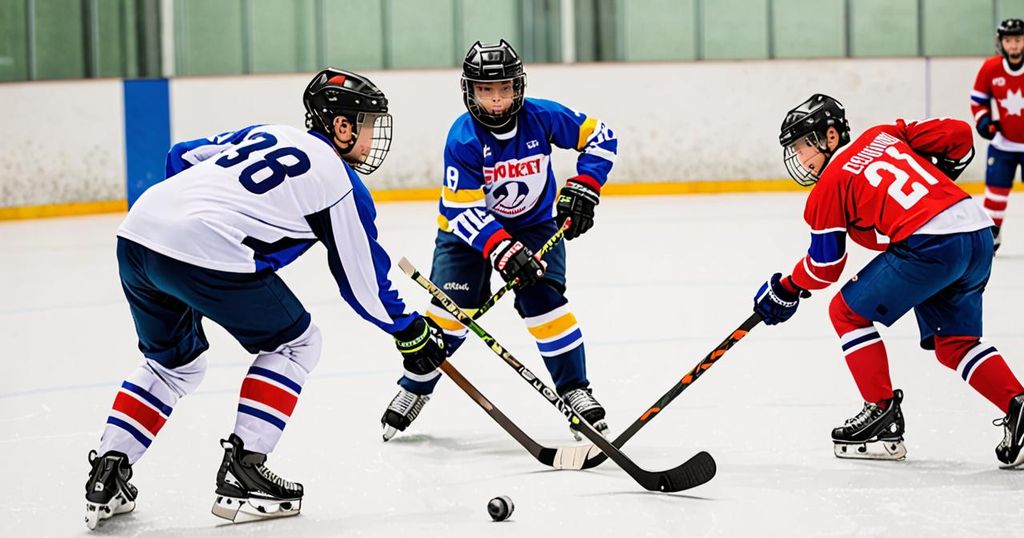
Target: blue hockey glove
[[987, 128], [775, 303], [421, 345], [577, 200]]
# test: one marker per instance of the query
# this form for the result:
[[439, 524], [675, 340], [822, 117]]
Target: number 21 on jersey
[[900, 178]]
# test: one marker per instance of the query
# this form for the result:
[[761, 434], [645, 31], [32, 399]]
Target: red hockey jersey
[[881, 185], [997, 84]]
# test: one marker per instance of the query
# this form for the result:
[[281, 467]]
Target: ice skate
[[403, 409], [249, 491], [582, 401], [1009, 449], [874, 433], [108, 492]]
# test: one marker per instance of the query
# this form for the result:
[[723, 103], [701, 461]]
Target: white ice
[[656, 285]]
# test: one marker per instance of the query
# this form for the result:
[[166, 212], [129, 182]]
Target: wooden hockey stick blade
[[696, 471], [592, 459]]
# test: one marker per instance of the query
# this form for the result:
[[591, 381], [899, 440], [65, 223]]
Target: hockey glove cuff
[[953, 167], [777, 299], [421, 345], [577, 201]]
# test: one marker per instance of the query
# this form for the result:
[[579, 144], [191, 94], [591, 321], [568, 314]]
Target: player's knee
[[182, 380], [844, 319], [950, 350], [305, 350], [539, 299]]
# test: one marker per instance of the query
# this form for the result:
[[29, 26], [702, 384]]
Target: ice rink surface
[[655, 285]]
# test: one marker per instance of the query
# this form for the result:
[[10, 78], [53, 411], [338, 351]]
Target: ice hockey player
[[884, 192], [1001, 81], [498, 206], [206, 242]]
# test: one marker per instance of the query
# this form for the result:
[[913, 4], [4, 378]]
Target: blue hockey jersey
[[505, 181]]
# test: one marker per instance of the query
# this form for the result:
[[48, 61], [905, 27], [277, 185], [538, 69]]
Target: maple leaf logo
[[1013, 103]]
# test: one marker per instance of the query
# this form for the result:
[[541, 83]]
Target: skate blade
[[95, 512], [874, 450], [238, 510], [389, 432]]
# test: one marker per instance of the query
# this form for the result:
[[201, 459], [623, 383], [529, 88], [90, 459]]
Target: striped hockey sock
[[996, 199], [560, 342], [144, 403], [864, 351], [271, 389], [981, 366]]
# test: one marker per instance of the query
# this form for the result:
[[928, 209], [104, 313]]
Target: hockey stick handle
[[687, 380], [681, 477], [544, 249]]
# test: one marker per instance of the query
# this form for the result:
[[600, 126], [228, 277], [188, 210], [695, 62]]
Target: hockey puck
[[500, 508]]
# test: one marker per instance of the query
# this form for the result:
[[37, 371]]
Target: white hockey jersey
[[255, 200]]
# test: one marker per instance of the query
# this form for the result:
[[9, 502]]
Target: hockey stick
[[509, 285], [587, 457], [696, 471]]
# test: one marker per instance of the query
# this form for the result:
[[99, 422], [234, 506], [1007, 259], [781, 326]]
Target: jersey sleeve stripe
[[597, 151], [586, 131], [980, 97], [980, 113], [463, 198]]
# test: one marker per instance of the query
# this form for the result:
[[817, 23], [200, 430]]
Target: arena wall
[[706, 126]]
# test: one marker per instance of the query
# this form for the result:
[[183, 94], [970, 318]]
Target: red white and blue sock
[[144, 403], [271, 389]]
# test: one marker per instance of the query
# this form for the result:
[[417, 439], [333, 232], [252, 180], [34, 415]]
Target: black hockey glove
[[421, 345], [577, 201], [952, 167], [514, 261], [775, 302], [987, 128]]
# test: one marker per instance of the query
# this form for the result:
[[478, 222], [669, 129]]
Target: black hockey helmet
[[1007, 28], [807, 125], [335, 92], [493, 63]]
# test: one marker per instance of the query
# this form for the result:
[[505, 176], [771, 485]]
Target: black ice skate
[[1009, 450], [582, 401], [248, 491], [403, 409], [108, 492], [874, 434]]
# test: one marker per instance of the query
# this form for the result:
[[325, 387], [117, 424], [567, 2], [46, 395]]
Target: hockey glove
[[777, 302], [987, 128], [953, 167], [421, 345], [515, 262], [577, 200]]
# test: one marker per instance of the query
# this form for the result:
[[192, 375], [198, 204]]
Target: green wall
[[54, 39]]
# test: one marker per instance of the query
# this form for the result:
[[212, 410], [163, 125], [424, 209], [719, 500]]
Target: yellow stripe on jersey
[[464, 196], [586, 130], [554, 327], [442, 223]]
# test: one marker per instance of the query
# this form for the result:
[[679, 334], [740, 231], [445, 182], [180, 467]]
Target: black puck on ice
[[500, 508]]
